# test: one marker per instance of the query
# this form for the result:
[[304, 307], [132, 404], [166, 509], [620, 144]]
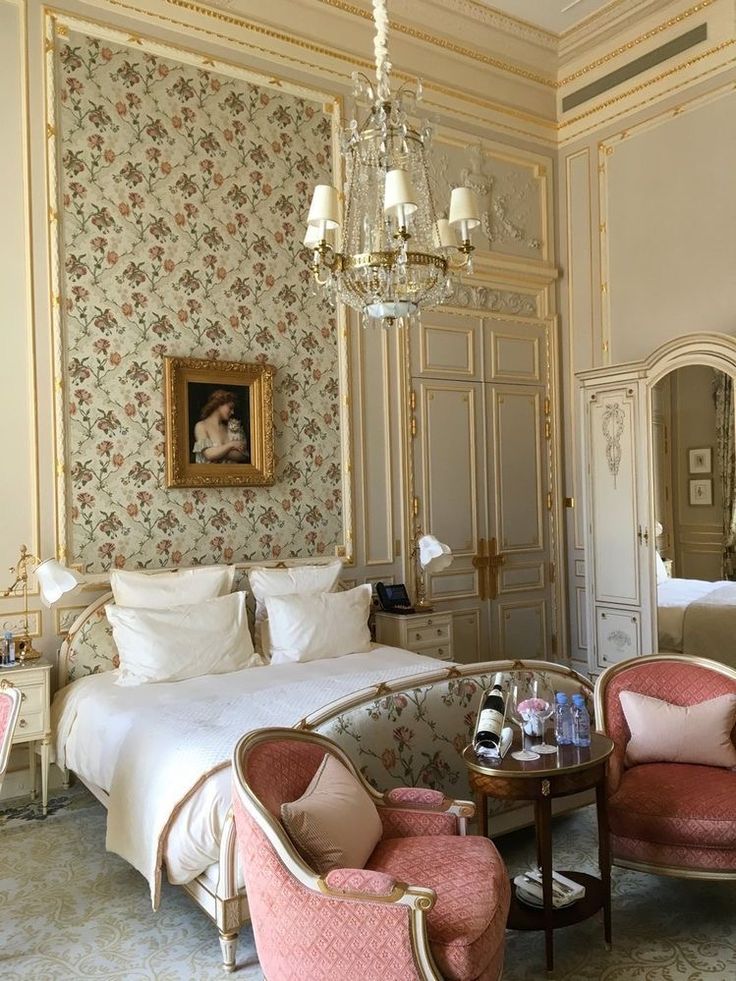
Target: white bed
[[697, 617], [157, 755]]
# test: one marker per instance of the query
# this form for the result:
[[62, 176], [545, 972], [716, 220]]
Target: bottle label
[[490, 720]]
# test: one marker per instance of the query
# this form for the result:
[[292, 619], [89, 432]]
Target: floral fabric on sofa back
[[411, 732]]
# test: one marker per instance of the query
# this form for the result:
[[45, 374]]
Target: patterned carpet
[[70, 910]]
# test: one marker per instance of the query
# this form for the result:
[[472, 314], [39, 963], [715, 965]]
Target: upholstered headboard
[[89, 647], [411, 732]]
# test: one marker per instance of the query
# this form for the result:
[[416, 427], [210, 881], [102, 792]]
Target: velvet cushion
[[334, 824], [676, 804], [666, 733], [467, 923]]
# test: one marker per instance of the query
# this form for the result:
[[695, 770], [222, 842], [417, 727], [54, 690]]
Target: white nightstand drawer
[[32, 698], [433, 632], [23, 677], [30, 725], [441, 651]]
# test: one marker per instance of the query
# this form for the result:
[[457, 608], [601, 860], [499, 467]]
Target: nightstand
[[424, 633], [33, 679]]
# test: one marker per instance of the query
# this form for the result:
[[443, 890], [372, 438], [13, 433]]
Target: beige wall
[[510, 135], [647, 211]]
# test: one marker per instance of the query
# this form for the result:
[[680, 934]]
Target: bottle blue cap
[[561, 697], [578, 699]]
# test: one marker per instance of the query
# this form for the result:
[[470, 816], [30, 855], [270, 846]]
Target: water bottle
[[580, 722], [563, 720]]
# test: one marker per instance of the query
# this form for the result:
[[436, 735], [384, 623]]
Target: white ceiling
[[556, 16]]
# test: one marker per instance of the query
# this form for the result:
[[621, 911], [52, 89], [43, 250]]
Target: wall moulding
[[276, 107], [518, 111]]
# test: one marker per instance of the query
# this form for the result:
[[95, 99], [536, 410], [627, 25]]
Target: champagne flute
[[519, 696], [543, 707]]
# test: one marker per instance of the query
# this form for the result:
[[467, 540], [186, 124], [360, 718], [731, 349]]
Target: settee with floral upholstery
[[411, 732]]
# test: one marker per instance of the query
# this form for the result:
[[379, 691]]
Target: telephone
[[394, 598]]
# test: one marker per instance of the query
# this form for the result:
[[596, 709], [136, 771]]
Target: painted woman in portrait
[[218, 436]]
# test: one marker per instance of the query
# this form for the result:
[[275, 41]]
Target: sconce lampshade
[[446, 234], [399, 196], [464, 207], [54, 580], [434, 556], [324, 207]]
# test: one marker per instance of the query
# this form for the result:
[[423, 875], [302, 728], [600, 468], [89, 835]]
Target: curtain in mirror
[[726, 449]]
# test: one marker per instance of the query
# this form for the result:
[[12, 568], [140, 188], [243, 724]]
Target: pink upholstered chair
[[429, 904], [668, 818], [9, 710]]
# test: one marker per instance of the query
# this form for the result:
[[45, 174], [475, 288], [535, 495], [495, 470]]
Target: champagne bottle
[[490, 721]]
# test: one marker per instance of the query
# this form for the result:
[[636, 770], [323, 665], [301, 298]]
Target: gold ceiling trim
[[440, 42], [647, 36], [653, 81], [353, 60]]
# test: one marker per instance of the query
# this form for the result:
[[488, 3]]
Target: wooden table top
[[567, 759]]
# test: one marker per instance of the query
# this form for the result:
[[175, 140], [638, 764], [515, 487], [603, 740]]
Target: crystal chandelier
[[394, 255]]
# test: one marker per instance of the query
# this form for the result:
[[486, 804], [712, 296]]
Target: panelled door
[[481, 479]]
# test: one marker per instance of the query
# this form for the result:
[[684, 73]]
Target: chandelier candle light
[[395, 255]]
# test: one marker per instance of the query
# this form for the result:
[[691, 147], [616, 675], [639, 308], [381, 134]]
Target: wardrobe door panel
[[614, 532]]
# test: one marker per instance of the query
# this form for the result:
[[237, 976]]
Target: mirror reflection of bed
[[694, 419]]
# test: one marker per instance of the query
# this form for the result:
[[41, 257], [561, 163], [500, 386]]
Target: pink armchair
[[668, 818], [365, 923], [10, 698]]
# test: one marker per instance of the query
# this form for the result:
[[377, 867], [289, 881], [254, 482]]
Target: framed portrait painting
[[219, 423]]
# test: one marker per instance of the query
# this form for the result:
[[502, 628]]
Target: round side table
[[571, 770]]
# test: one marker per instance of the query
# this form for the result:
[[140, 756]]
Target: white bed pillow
[[155, 591], [316, 626], [183, 641], [284, 582], [661, 568]]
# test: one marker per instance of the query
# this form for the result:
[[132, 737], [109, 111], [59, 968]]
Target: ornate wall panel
[[182, 195]]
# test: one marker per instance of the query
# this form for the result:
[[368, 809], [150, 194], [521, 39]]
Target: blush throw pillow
[[286, 582], [183, 641], [317, 626], [334, 824], [155, 591], [665, 733]]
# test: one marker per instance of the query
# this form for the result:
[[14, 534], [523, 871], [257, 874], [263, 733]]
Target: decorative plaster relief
[[496, 301], [512, 219], [613, 428], [183, 197]]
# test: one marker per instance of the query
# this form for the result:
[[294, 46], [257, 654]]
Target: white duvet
[[160, 751], [673, 598]]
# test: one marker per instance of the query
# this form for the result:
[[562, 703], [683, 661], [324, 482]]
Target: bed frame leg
[[229, 944], [65, 778]]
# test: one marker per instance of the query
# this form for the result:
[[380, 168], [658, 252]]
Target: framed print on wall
[[700, 460], [701, 492], [219, 423]]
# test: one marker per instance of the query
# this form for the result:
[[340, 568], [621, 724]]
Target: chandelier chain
[[380, 47]]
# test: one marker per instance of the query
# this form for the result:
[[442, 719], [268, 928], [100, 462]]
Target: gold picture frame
[[219, 423]]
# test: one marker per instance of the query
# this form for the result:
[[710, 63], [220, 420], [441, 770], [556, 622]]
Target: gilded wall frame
[[219, 423]]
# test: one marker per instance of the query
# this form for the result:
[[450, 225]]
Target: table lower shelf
[[523, 917]]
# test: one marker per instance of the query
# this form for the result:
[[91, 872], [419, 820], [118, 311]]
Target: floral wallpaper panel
[[184, 194]]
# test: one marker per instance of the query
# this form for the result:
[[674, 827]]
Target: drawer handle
[[418, 636], [441, 650], [429, 622], [439, 631], [22, 724], [23, 696]]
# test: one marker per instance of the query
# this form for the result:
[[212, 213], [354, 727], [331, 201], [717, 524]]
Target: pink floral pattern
[[184, 194]]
